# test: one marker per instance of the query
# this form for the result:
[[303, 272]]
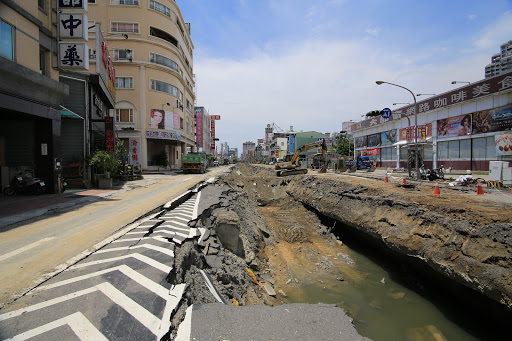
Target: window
[[491, 149], [124, 27], [155, 32], [91, 1], [164, 87], [479, 148], [123, 54], [465, 149], [160, 8], [442, 150], [6, 40], [453, 150], [41, 4], [158, 59], [124, 82], [125, 2], [124, 115], [43, 62]]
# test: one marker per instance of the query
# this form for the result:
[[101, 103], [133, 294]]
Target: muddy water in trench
[[382, 308]]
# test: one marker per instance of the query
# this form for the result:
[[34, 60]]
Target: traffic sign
[[386, 113]]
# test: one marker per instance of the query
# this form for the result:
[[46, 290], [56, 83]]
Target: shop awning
[[65, 112]]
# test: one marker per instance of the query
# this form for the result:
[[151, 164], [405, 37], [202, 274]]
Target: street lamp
[[400, 103], [169, 104], [417, 171], [455, 82], [425, 95]]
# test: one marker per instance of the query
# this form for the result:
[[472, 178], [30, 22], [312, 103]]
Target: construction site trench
[[403, 264]]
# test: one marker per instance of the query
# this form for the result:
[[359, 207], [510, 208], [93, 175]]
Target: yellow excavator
[[290, 165]]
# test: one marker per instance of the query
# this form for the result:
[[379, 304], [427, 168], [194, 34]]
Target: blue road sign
[[386, 113]]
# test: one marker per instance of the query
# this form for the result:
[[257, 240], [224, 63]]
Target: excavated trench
[[304, 236]]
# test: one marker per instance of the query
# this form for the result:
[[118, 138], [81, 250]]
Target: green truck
[[193, 163]]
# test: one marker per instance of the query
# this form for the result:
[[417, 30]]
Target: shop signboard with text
[[134, 151], [407, 134], [199, 126], [497, 119]]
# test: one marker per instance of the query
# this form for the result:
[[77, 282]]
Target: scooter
[[436, 173], [25, 185]]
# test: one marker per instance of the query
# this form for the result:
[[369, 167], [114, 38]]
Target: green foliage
[[161, 159], [344, 145], [105, 162]]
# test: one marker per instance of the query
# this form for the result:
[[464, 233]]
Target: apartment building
[[30, 93], [152, 52], [500, 62]]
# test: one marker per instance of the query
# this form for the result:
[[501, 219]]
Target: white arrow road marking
[[125, 269], [25, 248], [80, 325], [177, 223], [147, 246], [160, 239], [133, 308], [142, 258]]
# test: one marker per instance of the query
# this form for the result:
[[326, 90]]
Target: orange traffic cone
[[386, 179], [404, 182], [436, 190], [480, 190]]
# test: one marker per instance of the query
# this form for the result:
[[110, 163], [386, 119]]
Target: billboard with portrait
[[160, 119], [455, 126], [361, 142]]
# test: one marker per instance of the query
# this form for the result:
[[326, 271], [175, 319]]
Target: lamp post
[[415, 126], [455, 82], [401, 103], [425, 95]]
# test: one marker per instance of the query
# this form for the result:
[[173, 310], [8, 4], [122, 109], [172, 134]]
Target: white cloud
[[472, 16], [496, 34], [373, 31]]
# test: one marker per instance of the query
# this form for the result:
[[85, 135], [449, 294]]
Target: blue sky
[[313, 64]]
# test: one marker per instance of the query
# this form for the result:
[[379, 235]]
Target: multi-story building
[[248, 151], [30, 93], [500, 62], [462, 129], [153, 57], [204, 140]]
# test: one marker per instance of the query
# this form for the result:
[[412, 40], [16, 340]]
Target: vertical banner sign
[[291, 142], [74, 56], [134, 151], [176, 120], [109, 134], [212, 129], [199, 126]]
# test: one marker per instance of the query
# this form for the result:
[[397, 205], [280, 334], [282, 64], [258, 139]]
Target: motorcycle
[[436, 173], [25, 185]]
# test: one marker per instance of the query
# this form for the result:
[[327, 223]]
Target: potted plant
[[105, 164]]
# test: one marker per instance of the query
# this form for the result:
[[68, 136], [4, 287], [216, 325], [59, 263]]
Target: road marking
[[125, 269], [47, 303], [196, 206], [147, 246], [138, 312], [80, 325], [149, 320], [185, 327], [142, 258], [160, 239], [25, 248], [174, 299]]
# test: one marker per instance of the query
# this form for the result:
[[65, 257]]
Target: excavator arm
[[294, 162]]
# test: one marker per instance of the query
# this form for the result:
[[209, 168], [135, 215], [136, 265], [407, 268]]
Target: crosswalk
[[119, 292]]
